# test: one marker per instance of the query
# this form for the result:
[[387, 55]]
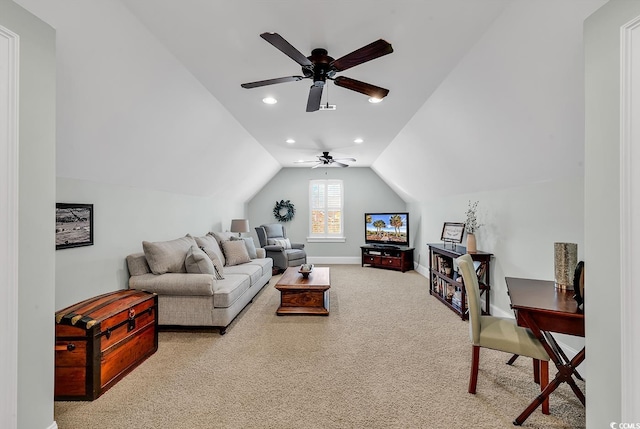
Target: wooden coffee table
[[308, 296]]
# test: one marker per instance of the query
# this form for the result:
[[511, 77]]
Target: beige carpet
[[388, 356]]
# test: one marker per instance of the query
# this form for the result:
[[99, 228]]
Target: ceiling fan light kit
[[327, 106], [319, 67]]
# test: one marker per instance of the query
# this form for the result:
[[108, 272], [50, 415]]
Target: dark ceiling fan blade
[[271, 81], [366, 53], [278, 41], [361, 87], [315, 94]]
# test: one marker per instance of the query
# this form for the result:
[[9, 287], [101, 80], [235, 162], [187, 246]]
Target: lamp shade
[[239, 225]]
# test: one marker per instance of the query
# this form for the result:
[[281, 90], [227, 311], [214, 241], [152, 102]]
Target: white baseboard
[[335, 260], [421, 269], [53, 425]]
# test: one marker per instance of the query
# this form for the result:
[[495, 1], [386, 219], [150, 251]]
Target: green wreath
[[280, 207]]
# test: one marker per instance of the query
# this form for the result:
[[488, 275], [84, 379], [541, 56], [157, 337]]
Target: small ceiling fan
[[325, 159], [319, 66]]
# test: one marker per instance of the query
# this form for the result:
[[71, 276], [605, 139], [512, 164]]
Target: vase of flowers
[[471, 226]]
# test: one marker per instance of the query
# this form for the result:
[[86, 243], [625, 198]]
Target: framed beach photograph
[[74, 225], [452, 232]]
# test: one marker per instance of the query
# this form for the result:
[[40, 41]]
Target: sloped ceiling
[[510, 113], [218, 41], [482, 93]]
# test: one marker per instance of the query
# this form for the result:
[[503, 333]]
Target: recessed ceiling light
[[269, 100], [290, 141], [358, 140], [375, 100]]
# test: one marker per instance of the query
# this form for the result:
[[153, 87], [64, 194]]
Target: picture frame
[[74, 225], [452, 232]]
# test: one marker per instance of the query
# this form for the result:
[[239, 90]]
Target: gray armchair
[[283, 257]]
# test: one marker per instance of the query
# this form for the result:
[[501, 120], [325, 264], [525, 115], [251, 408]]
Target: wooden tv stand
[[391, 257]]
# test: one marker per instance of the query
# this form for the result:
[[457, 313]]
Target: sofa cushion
[[198, 262], [235, 252], [210, 245], [227, 291], [251, 246], [167, 256], [137, 264], [181, 284], [265, 264], [252, 270]]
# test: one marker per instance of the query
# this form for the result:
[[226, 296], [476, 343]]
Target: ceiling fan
[[319, 66], [326, 159]]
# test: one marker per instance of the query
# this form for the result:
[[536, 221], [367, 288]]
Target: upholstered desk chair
[[273, 239], [498, 333]]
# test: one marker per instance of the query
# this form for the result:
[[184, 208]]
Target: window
[[326, 210]]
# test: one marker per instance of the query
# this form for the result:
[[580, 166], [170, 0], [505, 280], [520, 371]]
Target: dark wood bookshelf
[[443, 277]]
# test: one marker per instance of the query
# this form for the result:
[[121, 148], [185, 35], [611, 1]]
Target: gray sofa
[[191, 292]]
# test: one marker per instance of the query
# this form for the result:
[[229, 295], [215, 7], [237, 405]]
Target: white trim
[[629, 215], [9, 54], [335, 260], [326, 239], [325, 236], [423, 270]]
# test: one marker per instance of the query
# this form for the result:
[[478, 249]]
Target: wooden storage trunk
[[100, 340]]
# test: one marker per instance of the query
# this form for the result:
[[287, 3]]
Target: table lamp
[[239, 226]]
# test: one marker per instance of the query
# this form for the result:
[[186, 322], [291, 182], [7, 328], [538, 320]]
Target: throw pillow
[[235, 252], [251, 246], [210, 245], [167, 256], [198, 262], [284, 242], [217, 264]]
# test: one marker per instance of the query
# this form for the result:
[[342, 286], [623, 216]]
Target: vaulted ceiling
[[219, 43], [149, 92]]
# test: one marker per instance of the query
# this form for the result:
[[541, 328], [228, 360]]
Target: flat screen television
[[386, 229]]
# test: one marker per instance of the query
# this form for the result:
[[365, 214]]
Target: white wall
[[364, 192], [602, 208], [36, 269], [130, 114], [516, 98], [124, 216]]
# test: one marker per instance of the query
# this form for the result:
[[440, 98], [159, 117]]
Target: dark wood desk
[[544, 309]]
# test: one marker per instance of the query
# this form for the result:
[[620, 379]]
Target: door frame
[[629, 215], [9, 52]]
